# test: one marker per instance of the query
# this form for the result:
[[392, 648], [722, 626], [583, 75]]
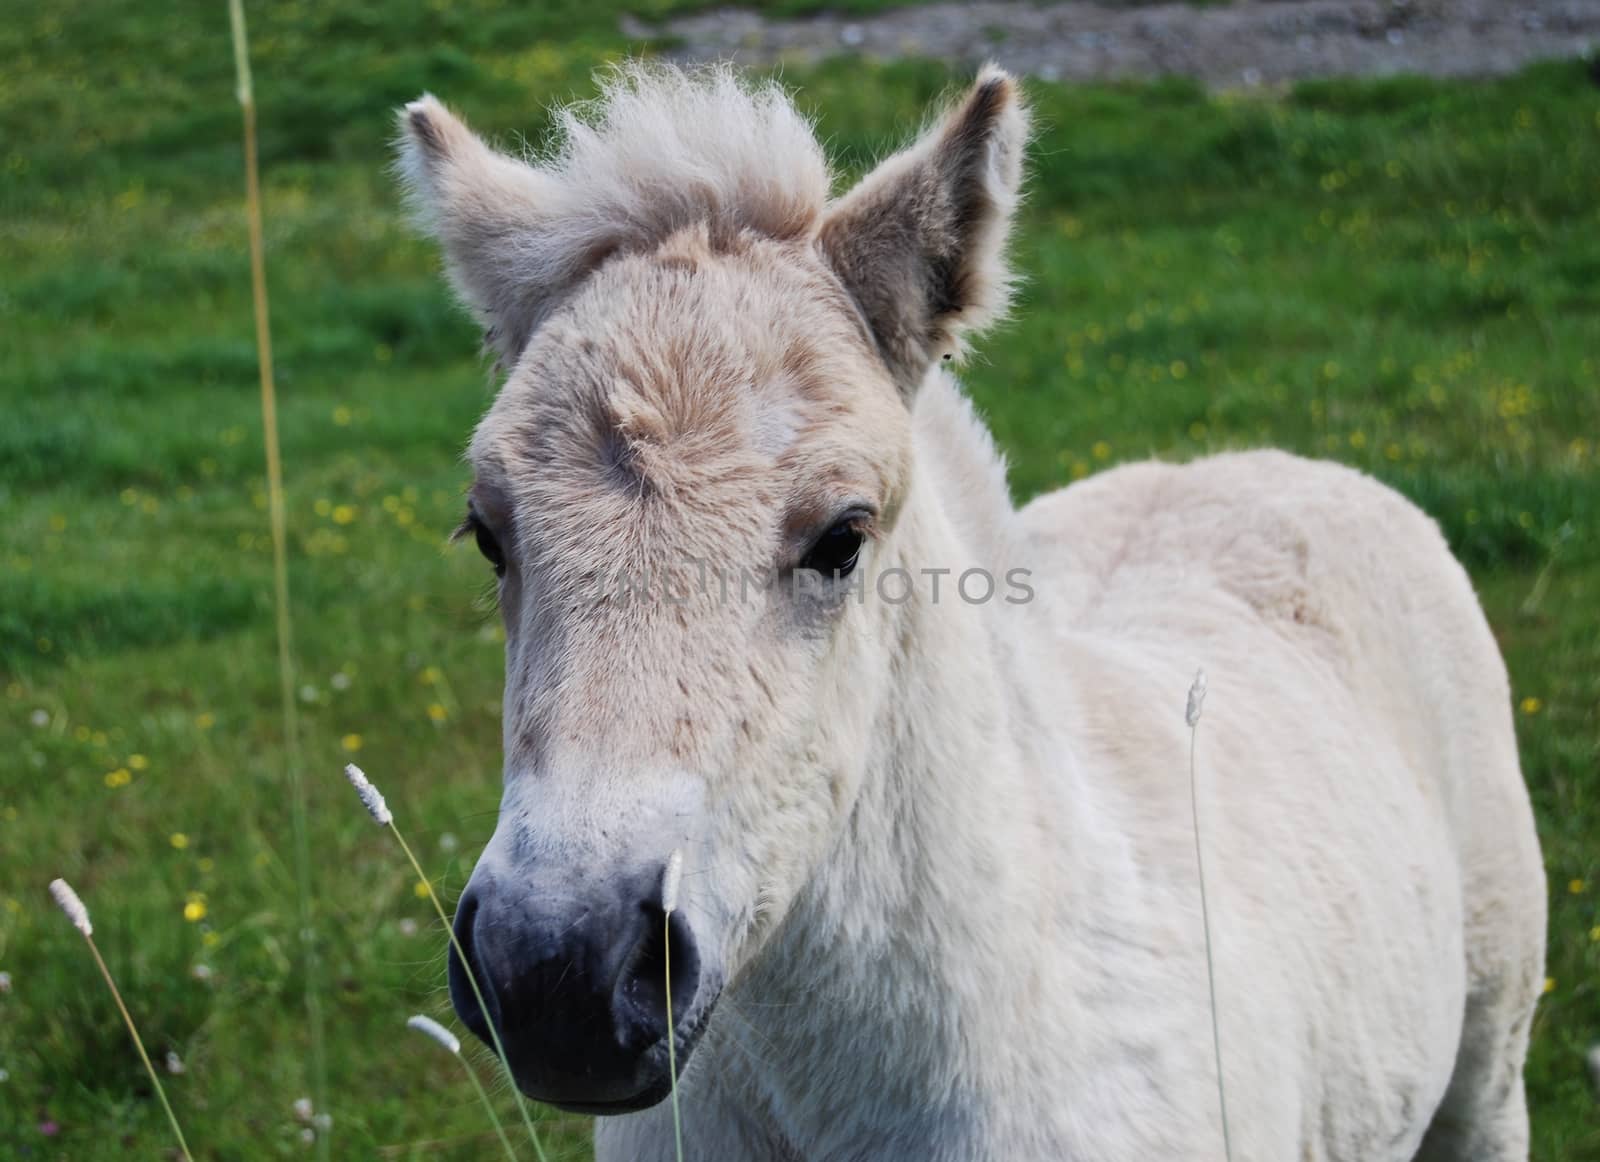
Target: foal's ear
[[485, 210], [920, 243]]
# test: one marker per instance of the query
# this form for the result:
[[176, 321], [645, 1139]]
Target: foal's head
[[702, 439]]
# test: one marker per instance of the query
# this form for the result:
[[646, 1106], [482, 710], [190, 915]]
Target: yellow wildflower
[[178, 840], [351, 742], [194, 908], [1532, 706], [437, 712], [138, 762]]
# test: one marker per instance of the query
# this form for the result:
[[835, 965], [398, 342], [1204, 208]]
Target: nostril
[[464, 970], [639, 1004]]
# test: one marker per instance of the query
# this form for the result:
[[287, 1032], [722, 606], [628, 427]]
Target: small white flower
[[448, 842], [371, 797], [40, 717], [323, 1122], [175, 1063], [201, 972], [1197, 698], [302, 1109], [670, 880], [308, 1136], [69, 903], [408, 926], [340, 681], [5, 1076], [428, 1027], [5, 982], [308, 693]]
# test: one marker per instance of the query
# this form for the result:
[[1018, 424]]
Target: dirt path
[[1247, 43]]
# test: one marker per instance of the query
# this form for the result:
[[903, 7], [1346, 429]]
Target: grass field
[[1401, 275]]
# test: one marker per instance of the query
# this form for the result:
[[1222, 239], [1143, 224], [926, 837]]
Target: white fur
[[942, 853]]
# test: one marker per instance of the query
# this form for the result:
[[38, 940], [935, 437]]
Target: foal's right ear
[[920, 242], [485, 210]]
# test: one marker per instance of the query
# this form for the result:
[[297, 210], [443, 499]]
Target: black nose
[[576, 986]]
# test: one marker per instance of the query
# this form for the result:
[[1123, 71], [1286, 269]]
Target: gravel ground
[[1243, 44]]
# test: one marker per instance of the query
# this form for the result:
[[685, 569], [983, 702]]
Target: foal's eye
[[489, 547], [837, 550]]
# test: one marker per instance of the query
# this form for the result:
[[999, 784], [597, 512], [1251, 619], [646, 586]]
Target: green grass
[[1403, 275]]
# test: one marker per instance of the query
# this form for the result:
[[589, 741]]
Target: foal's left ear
[[920, 242]]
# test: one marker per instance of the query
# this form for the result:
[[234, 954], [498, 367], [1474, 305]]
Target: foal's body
[[940, 900], [1003, 956]]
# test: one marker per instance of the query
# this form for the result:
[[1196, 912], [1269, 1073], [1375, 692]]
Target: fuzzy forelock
[[661, 148]]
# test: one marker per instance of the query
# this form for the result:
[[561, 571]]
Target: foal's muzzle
[[575, 982]]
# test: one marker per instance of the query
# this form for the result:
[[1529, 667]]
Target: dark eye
[[836, 551], [489, 547]]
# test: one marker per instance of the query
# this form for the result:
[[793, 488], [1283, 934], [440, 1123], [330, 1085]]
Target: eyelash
[[488, 543]]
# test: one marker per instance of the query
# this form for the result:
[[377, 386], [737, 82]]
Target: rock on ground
[[1243, 44]]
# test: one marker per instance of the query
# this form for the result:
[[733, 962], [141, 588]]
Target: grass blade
[[79, 915], [280, 575]]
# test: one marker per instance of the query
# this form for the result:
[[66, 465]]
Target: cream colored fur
[[944, 851]]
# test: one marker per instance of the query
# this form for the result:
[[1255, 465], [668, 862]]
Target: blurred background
[[1362, 231]]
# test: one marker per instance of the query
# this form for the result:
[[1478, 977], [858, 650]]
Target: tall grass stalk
[[79, 915], [280, 577], [1191, 715], [436, 1032], [670, 880], [378, 808]]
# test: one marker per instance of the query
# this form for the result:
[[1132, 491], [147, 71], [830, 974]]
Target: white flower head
[[428, 1027], [371, 797], [69, 903], [670, 879], [1197, 698], [302, 1109]]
